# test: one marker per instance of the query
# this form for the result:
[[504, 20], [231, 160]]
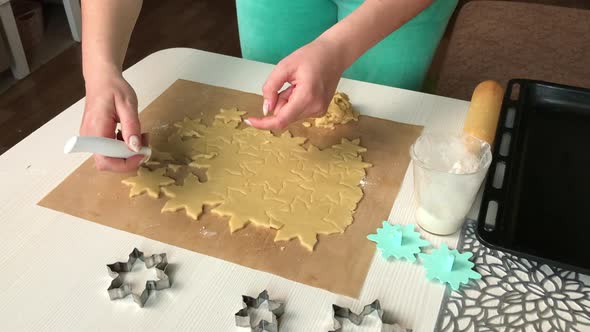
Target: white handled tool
[[103, 146]]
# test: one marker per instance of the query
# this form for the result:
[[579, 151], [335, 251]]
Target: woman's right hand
[[111, 100]]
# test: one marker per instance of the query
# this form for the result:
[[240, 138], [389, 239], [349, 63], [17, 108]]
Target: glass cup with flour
[[448, 172]]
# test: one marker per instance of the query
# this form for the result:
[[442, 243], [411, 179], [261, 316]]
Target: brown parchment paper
[[339, 262]]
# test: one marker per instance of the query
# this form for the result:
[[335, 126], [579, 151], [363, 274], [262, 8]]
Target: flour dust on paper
[[255, 177]]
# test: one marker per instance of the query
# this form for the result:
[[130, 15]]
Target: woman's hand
[[110, 100], [313, 72]]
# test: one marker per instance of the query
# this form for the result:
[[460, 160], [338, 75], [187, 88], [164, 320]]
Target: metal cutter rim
[[118, 289]]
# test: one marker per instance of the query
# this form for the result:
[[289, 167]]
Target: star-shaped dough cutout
[[352, 178], [229, 115], [190, 128], [322, 160], [305, 173], [148, 182], [304, 223], [229, 124], [349, 205], [252, 137], [347, 173], [350, 196], [250, 152], [271, 174], [238, 206], [216, 162], [180, 149], [325, 188], [339, 216], [220, 131], [351, 166], [251, 165], [222, 187], [292, 191], [284, 145], [207, 145], [350, 147], [191, 197]]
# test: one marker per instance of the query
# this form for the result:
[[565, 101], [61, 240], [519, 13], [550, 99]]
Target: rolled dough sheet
[[256, 177], [338, 263]]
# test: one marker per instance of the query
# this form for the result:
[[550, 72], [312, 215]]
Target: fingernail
[[265, 106], [134, 143], [248, 122]]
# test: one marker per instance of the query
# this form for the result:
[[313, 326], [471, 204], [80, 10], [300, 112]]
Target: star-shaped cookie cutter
[[118, 289], [399, 241], [449, 266], [374, 308], [276, 308]]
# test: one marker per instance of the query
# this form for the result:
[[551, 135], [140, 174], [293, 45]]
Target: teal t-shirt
[[272, 29]]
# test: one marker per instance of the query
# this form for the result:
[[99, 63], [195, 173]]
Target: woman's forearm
[[370, 23], [106, 30]]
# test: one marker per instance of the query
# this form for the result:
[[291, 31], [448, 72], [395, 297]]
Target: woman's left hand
[[313, 72]]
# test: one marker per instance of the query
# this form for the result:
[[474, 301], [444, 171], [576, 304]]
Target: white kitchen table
[[53, 275]]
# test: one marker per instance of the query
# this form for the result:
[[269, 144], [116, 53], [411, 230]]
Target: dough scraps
[[253, 176], [339, 112], [148, 182]]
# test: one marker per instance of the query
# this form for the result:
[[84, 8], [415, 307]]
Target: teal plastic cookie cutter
[[449, 266], [401, 242]]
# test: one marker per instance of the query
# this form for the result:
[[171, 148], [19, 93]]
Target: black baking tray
[[536, 200]]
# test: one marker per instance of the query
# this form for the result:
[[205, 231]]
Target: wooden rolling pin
[[484, 111]]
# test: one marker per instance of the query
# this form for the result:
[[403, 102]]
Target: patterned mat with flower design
[[515, 294]]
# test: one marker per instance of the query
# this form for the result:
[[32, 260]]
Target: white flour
[[446, 179]]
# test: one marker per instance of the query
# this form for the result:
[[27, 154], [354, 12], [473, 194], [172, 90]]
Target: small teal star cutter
[[449, 266], [401, 242]]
